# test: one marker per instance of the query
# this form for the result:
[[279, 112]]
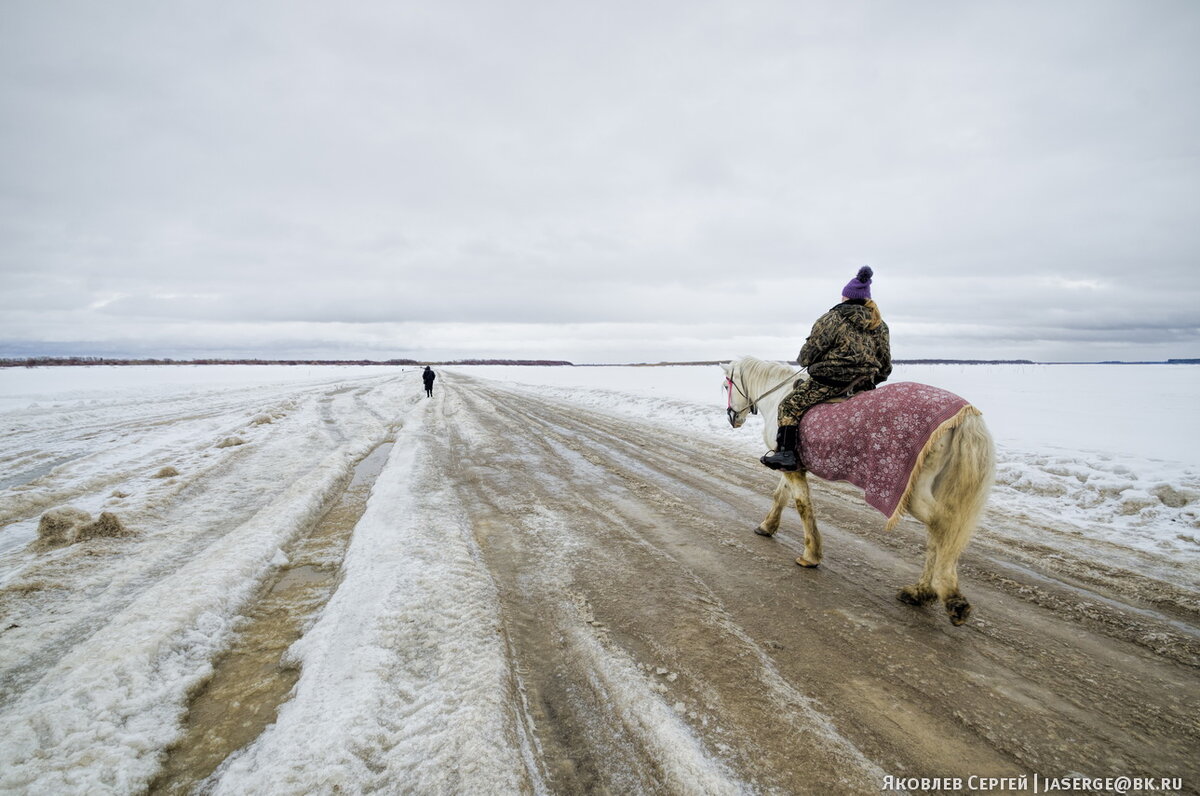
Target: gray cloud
[[631, 181]]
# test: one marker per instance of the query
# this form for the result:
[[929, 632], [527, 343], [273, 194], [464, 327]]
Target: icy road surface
[[538, 597]]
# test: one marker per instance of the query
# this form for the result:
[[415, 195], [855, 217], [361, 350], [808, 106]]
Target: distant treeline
[[651, 364], [44, 362], [964, 362], [551, 362]]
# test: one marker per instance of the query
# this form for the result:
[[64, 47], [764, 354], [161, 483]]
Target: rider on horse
[[848, 350]]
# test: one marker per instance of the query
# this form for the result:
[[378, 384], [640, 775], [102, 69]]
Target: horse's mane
[[762, 372]]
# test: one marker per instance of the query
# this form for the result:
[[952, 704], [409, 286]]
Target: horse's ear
[[727, 367]]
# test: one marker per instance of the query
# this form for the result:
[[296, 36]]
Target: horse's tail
[[973, 459], [952, 479]]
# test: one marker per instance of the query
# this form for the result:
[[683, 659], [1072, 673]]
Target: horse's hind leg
[[803, 500], [948, 536], [950, 539], [959, 493], [770, 524], [922, 592]]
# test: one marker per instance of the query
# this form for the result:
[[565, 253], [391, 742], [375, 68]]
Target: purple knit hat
[[860, 286]]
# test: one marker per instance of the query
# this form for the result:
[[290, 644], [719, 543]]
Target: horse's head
[[738, 404]]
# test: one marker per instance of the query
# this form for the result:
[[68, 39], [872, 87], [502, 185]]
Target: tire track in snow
[[405, 671], [549, 518], [251, 678]]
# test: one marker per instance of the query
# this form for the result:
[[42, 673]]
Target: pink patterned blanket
[[875, 439]]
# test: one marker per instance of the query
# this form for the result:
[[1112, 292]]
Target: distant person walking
[[428, 377]]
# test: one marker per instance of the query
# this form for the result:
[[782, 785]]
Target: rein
[[733, 385]]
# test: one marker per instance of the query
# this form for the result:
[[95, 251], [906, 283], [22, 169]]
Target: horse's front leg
[[798, 486], [779, 498]]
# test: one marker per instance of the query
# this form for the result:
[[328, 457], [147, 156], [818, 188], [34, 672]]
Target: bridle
[[732, 385]]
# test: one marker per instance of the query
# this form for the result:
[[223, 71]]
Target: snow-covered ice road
[[102, 642], [546, 598]]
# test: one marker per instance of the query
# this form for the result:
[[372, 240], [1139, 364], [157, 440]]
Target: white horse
[[947, 489]]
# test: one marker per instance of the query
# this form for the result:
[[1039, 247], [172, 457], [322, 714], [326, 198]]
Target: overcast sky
[[599, 182]]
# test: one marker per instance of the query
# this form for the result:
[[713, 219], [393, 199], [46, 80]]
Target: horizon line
[[92, 361]]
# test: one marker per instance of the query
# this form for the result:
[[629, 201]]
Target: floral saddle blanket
[[876, 439]]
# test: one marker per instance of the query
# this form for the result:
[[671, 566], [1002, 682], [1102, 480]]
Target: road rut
[[631, 581]]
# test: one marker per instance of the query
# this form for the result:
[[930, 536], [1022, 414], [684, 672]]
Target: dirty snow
[[103, 640]]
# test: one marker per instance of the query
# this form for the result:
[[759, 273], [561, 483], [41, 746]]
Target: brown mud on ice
[[250, 681], [628, 572]]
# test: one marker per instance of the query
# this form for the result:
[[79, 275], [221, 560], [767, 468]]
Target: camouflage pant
[[806, 394]]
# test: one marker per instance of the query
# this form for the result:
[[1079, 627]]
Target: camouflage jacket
[[841, 348]]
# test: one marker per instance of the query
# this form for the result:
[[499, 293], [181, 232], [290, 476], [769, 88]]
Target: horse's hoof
[[914, 596], [759, 530], [804, 562], [959, 610]]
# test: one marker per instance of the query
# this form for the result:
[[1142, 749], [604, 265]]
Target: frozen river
[[512, 587]]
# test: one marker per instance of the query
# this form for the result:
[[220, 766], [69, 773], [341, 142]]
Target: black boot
[[784, 457]]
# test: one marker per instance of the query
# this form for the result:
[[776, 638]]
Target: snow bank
[[405, 673]]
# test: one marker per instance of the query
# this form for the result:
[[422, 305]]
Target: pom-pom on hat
[[860, 286]]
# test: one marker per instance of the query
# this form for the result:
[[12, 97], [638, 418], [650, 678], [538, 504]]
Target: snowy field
[[104, 642]]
